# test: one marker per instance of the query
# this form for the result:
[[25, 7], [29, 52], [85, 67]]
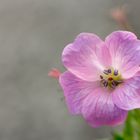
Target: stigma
[[111, 78]]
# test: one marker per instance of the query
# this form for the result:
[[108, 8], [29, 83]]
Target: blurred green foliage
[[131, 130]]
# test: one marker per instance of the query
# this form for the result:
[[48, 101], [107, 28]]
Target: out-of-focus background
[[33, 34]]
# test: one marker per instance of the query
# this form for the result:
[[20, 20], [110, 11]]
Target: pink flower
[[102, 81]]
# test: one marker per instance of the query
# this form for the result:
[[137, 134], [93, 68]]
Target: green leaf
[[117, 137]]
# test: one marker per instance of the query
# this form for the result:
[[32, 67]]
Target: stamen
[[113, 84], [115, 72], [109, 70], [101, 76], [105, 83], [110, 78], [105, 72], [118, 82]]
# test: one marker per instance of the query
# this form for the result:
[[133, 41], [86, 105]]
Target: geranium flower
[[102, 81]]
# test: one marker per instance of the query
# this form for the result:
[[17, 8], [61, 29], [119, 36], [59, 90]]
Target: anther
[[113, 84], [118, 82], [106, 72], [109, 70], [115, 72], [105, 83], [101, 76]]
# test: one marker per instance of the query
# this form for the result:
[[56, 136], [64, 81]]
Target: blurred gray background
[[33, 34]]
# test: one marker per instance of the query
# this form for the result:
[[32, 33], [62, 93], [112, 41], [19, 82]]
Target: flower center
[[111, 78]]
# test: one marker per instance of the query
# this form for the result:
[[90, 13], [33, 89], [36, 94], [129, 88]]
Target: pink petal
[[127, 95], [125, 52], [75, 91], [99, 109], [85, 57]]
